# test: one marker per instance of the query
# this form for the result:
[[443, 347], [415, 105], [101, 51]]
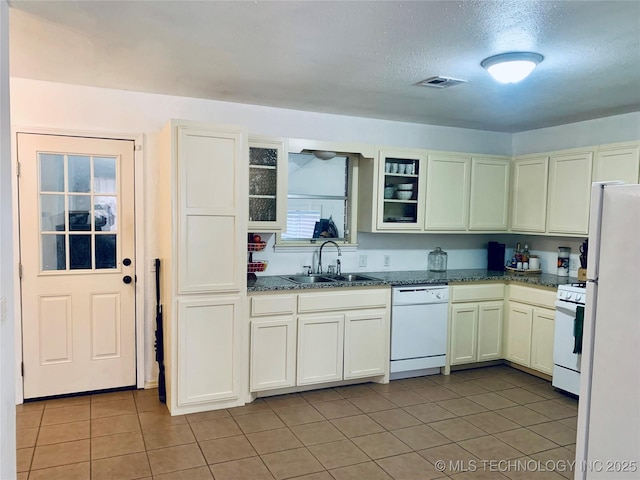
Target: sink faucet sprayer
[[320, 257]]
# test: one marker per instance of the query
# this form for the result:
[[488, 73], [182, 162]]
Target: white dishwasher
[[418, 330]]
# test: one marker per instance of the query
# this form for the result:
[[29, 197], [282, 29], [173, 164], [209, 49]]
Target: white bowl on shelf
[[404, 194], [405, 186]]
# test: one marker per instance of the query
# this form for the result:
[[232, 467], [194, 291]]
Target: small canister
[[563, 261], [438, 260]]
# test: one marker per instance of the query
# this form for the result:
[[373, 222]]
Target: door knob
[[126, 262], [127, 279]]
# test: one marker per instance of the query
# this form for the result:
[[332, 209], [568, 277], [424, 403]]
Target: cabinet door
[[464, 333], [267, 185], [490, 331], [208, 349], [622, 163], [542, 333], [447, 192], [366, 345], [518, 346], [399, 172], [273, 353], [489, 197], [320, 348], [569, 193], [529, 207], [211, 210]]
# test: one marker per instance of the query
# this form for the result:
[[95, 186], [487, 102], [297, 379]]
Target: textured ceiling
[[345, 57]]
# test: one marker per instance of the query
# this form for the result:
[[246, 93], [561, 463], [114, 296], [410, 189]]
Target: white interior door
[[78, 267]]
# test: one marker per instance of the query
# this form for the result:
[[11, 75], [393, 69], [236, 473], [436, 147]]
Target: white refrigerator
[[608, 440]]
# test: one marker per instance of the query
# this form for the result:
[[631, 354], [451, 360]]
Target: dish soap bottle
[[438, 260]]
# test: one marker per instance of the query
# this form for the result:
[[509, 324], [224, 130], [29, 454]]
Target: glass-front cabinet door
[[267, 184], [401, 190]]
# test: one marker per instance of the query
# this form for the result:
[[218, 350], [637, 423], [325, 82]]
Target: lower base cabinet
[[542, 332], [348, 341], [320, 348], [530, 327], [273, 353], [209, 332], [476, 326]]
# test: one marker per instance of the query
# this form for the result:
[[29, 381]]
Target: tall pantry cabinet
[[203, 222]]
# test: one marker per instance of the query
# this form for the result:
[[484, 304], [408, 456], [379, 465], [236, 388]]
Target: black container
[[495, 256]]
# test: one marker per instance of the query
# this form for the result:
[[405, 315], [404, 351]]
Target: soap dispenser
[[438, 260]]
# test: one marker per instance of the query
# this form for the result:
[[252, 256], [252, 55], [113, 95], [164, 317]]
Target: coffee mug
[[387, 167], [394, 168], [401, 168]]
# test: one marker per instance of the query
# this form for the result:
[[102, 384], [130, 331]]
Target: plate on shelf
[[523, 272]]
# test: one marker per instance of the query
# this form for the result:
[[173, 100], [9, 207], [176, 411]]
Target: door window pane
[[104, 175], [54, 255], [263, 156], [105, 251], [79, 210], [52, 213], [51, 172], [80, 252], [105, 213], [79, 168]]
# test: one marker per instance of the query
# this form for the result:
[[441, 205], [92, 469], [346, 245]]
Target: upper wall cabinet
[[489, 195], [448, 178], [620, 162], [529, 205], [569, 193], [391, 192], [267, 184]]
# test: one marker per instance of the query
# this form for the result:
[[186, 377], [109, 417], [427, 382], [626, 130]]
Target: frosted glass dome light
[[512, 67]]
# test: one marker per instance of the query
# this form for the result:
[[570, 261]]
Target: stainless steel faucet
[[320, 255]]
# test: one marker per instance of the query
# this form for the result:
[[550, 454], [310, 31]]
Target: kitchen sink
[[347, 277], [353, 277], [308, 279]]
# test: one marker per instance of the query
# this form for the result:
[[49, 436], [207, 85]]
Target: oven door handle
[[568, 306]]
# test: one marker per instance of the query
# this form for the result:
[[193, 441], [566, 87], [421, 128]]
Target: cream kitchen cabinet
[[489, 194], [202, 218], [273, 341], [569, 195], [267, 184], [320, 348], [319, 337], [475, 331], [542, 330], [447, 199], [529, 194], [530, 327], [387, 213], [617, 162]]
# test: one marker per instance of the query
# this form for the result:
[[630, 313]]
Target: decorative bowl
[[404, 194], [405, 186]]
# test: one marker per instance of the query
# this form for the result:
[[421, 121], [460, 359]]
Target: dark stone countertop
[[412, 277]]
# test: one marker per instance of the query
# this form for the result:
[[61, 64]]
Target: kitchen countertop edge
[[412, 277]]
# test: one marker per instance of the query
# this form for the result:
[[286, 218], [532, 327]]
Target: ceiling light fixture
[[324, 154], [512, 67]]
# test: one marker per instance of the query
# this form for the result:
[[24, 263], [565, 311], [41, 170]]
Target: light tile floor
[[489, 423]]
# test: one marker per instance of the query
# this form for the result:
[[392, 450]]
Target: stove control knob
[[438, 296], [569, 296], [579, 298]]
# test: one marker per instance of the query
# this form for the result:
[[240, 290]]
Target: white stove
[[567, 341]]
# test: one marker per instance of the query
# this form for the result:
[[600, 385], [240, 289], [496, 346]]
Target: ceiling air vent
[[441, 82]]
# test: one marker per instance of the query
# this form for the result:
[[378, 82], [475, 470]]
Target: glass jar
[[438, 260]]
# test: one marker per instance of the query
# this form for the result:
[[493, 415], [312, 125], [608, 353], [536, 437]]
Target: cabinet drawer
[[343, 300], [474, 293], [273, 305], [533, 296]]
